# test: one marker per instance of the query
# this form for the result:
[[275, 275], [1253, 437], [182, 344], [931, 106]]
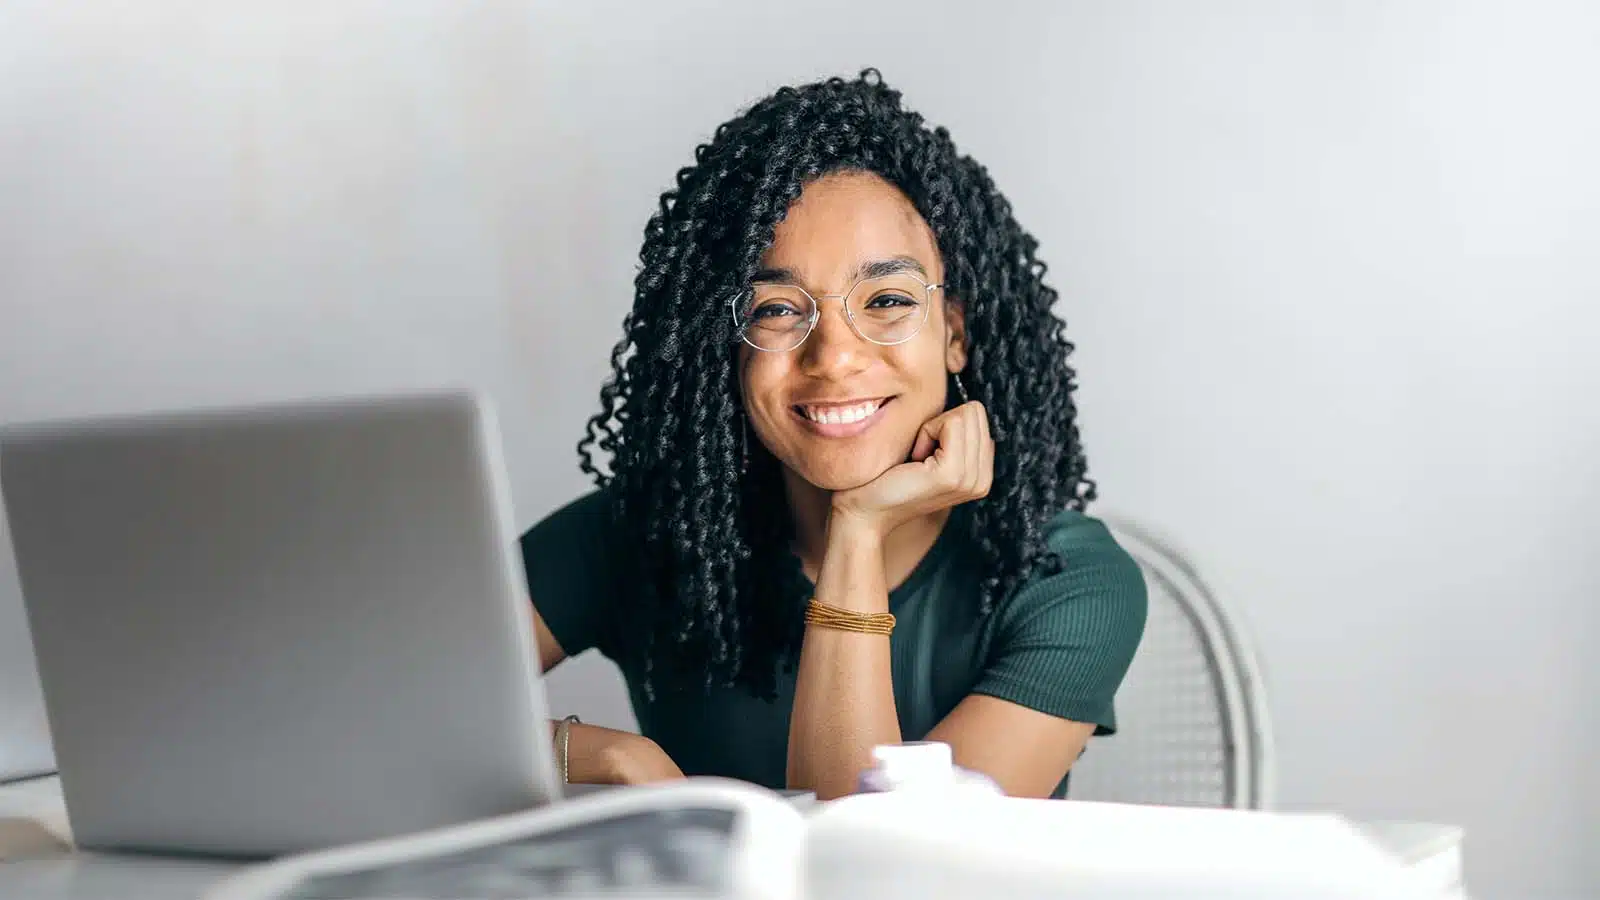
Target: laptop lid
[[272, 629]]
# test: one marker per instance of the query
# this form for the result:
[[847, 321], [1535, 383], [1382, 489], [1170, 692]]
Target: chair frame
[[1246, 719]]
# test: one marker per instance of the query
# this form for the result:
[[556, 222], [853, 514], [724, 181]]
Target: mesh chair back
[[1192, 725]]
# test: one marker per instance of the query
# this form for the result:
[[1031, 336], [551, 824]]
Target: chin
[[844, 476], [842, 482]]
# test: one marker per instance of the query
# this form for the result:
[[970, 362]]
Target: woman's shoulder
[[1064, 640], [583, 520], [575, 570], [1080, 540], [1090, 573], [590, 506]]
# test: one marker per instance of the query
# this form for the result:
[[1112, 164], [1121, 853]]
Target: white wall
[[1331, 268]]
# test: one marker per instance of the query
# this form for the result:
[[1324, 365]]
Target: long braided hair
[[697, 500]]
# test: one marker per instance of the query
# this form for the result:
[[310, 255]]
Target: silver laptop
[[24, 731], [274, 629]]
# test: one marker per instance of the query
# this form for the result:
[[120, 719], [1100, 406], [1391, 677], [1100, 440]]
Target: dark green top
[[1060, 644]]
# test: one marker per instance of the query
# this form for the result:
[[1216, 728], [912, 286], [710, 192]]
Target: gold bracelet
[[839, 619]]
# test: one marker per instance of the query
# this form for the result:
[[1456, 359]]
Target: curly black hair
[[697, 499]]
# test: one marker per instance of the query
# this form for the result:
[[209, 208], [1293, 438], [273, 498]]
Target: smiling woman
[[845, 498]]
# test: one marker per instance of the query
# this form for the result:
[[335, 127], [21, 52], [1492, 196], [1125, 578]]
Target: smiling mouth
[[836, 414], [841, 419]]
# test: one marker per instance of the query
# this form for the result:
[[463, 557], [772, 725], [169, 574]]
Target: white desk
[[37, 862]]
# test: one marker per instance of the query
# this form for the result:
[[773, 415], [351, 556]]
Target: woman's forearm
[[844, 692]]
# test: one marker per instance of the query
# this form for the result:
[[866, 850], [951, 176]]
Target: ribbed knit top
[[1060, 644]]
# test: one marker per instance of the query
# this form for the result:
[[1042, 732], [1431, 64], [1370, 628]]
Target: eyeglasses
[[887, 310]]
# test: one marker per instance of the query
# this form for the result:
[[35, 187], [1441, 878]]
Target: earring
[[961, 389]]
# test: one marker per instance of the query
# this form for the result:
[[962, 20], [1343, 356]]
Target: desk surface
[[37, 862]]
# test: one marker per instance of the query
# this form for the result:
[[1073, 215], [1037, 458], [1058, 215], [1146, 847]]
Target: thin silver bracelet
[[563, 742]]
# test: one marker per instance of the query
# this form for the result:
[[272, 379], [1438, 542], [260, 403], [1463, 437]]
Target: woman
[[844, 500]]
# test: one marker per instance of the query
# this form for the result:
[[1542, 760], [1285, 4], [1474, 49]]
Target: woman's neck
[[903, 548]]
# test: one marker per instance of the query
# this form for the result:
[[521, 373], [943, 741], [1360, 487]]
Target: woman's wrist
[[852, 572], [855, 528], [597, 755]]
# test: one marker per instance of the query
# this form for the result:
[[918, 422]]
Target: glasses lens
[[777, 316], [889, 310]]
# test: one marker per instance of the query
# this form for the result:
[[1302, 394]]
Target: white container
[[920, 765]]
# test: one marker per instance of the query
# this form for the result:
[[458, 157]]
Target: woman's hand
[[598, 755], [952, 462]]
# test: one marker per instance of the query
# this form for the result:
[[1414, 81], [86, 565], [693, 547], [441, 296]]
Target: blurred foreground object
[[920, 846], [708, 838]]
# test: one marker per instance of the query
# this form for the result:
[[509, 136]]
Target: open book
[[702, 838], [711, 838]]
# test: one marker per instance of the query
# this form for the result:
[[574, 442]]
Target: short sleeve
[[1064, 641], [570, 558]]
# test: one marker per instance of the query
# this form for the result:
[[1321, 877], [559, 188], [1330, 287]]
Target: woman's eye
[[773, 311], [890, 301]]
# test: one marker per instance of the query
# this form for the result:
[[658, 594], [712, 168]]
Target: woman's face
[[839, 410]]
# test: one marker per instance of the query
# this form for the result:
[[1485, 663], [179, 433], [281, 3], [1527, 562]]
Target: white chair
[[1192, 720]]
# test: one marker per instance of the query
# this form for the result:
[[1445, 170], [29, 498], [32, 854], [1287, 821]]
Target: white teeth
[[841, 415]]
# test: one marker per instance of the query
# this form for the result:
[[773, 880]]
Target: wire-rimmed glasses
[[885, 310]]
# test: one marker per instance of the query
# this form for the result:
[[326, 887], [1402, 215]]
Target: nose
[[833, 350]]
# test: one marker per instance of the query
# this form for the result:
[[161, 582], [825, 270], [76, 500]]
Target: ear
[[955, 321]]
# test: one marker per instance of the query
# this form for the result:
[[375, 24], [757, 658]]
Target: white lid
[[915, 761]]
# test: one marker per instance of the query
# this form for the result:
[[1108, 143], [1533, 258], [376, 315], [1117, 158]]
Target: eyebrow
[[878, 268], [776, 276]]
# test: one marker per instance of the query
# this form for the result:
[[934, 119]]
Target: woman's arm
[[597, 755], [1025, 751], [844, 691], [570, 559], [844, 697]]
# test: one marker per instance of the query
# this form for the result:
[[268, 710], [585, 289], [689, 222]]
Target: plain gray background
[[1331, 268]]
